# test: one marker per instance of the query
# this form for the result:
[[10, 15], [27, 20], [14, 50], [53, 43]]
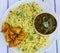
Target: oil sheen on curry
[[45, 23]]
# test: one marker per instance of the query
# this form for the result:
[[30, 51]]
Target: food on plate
[[8, 39], [13, 35], [16, 30], [30, 37], [11, 44], [45, 23], [24, 37], [20, 36], [18, 39], [5, 27]]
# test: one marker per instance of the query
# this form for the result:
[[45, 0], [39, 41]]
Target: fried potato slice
[[21, 36], [11, 44], [13, 36], [8, 39], [5, 27], [16, 42], [10, 32], [18, 39], [16, 30]]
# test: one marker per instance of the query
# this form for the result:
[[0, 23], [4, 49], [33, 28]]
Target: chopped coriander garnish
[[30, 37], [21, 13], [45, 24]]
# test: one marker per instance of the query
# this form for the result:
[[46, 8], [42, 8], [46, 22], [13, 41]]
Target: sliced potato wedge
[[16, 42], [5, 27], [13, 36], [8, 39], [18, 39], [16, 30], [21, 36], [11, 44]]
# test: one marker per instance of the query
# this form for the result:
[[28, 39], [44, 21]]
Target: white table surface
[[55, 4]]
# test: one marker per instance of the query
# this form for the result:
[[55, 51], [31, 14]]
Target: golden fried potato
[[21, 36], [8, 39], [16, 30], [13, 36], [10, 32], [5, 27], [18, 39], [16, 42], [11, 44]]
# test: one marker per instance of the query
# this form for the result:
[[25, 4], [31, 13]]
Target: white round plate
[[45, 8]]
